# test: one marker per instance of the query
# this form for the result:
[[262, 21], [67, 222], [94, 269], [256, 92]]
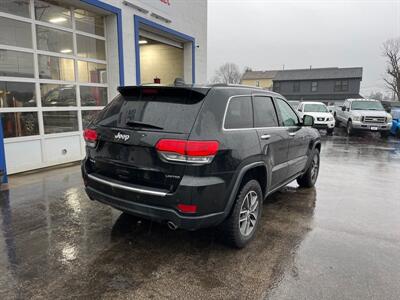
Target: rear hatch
[[131, 125]]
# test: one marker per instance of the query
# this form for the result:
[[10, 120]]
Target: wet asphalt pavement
[[339, 240]]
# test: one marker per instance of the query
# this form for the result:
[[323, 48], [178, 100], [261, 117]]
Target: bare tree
[[387, 97], [376, 95], [227, 73], [391, 50], [247, 69]]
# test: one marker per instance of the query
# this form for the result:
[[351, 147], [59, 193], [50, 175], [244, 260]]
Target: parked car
[[364, 115], [395, 130], [323, 119], [195, 157]]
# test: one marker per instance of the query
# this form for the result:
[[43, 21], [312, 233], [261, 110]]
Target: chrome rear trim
[[127, 188]]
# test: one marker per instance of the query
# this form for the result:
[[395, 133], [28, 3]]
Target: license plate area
[[374, 128]]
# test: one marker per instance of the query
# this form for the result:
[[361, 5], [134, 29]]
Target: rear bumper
[[208, 193], [155, 213]]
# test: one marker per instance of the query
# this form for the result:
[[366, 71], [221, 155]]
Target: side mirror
[[343, 108], [308, 120], [388, 110]]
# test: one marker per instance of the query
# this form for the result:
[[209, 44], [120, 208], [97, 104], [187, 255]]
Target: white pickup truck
[[363, 114]]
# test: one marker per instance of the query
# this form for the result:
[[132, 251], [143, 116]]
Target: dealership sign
[[167, 2], [160, 5]]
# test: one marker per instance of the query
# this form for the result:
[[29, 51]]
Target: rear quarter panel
[[237, 148]]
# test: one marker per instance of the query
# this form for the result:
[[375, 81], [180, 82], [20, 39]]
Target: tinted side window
[[288, 116], [239, 113], [264, 112]]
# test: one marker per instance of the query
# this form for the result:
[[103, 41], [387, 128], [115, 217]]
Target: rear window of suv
[[169, 110]]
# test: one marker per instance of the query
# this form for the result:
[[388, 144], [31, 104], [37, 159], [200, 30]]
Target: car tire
[[398, 133], [329, 131], [309, 178], [349, 128], [239, 228]]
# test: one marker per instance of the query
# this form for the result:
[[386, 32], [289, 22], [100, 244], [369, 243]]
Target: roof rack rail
[[235, 85]]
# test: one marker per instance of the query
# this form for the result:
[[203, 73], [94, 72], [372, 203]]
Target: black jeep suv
[[198, 156]]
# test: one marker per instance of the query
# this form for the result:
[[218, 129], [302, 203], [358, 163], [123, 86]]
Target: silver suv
[[363, 114]]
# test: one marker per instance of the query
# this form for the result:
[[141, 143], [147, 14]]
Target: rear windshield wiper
[[142, 125]]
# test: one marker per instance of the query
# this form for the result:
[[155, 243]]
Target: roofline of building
[[294, 70], [308, 79]]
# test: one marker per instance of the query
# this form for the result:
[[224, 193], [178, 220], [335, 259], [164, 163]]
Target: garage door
[[53, 80], [161, 58]]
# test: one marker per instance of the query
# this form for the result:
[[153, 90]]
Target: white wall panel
[[60, 150], [23, 155]]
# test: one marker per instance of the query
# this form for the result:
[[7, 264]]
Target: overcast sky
[[266, 35]]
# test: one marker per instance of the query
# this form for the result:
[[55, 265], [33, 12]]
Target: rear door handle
[[292, 133], [265, 137]]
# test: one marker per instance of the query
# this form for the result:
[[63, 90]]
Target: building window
[[56, 68], [15, 33], [93, 96], [53, 14], [341, 85], [54, 40], [15, 7], [17, 94], [276, 86], [89, 22], [92, 72], [90, 47], [60, 121], [16, 64], [296, 86], [67, 84], [54, 95], [345, 85], [16, 124], [314, 86]]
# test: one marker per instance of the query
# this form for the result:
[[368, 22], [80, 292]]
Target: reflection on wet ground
[[340, 240]]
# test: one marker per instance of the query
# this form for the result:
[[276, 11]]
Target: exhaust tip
[[172, 225]]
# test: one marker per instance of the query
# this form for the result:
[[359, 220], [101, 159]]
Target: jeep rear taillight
[[194, 152], [90, 137]]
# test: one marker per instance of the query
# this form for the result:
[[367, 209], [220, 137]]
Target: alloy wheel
[[249, 213], [314, 168]]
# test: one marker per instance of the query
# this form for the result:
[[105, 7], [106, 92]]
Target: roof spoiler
[[135, 89]]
